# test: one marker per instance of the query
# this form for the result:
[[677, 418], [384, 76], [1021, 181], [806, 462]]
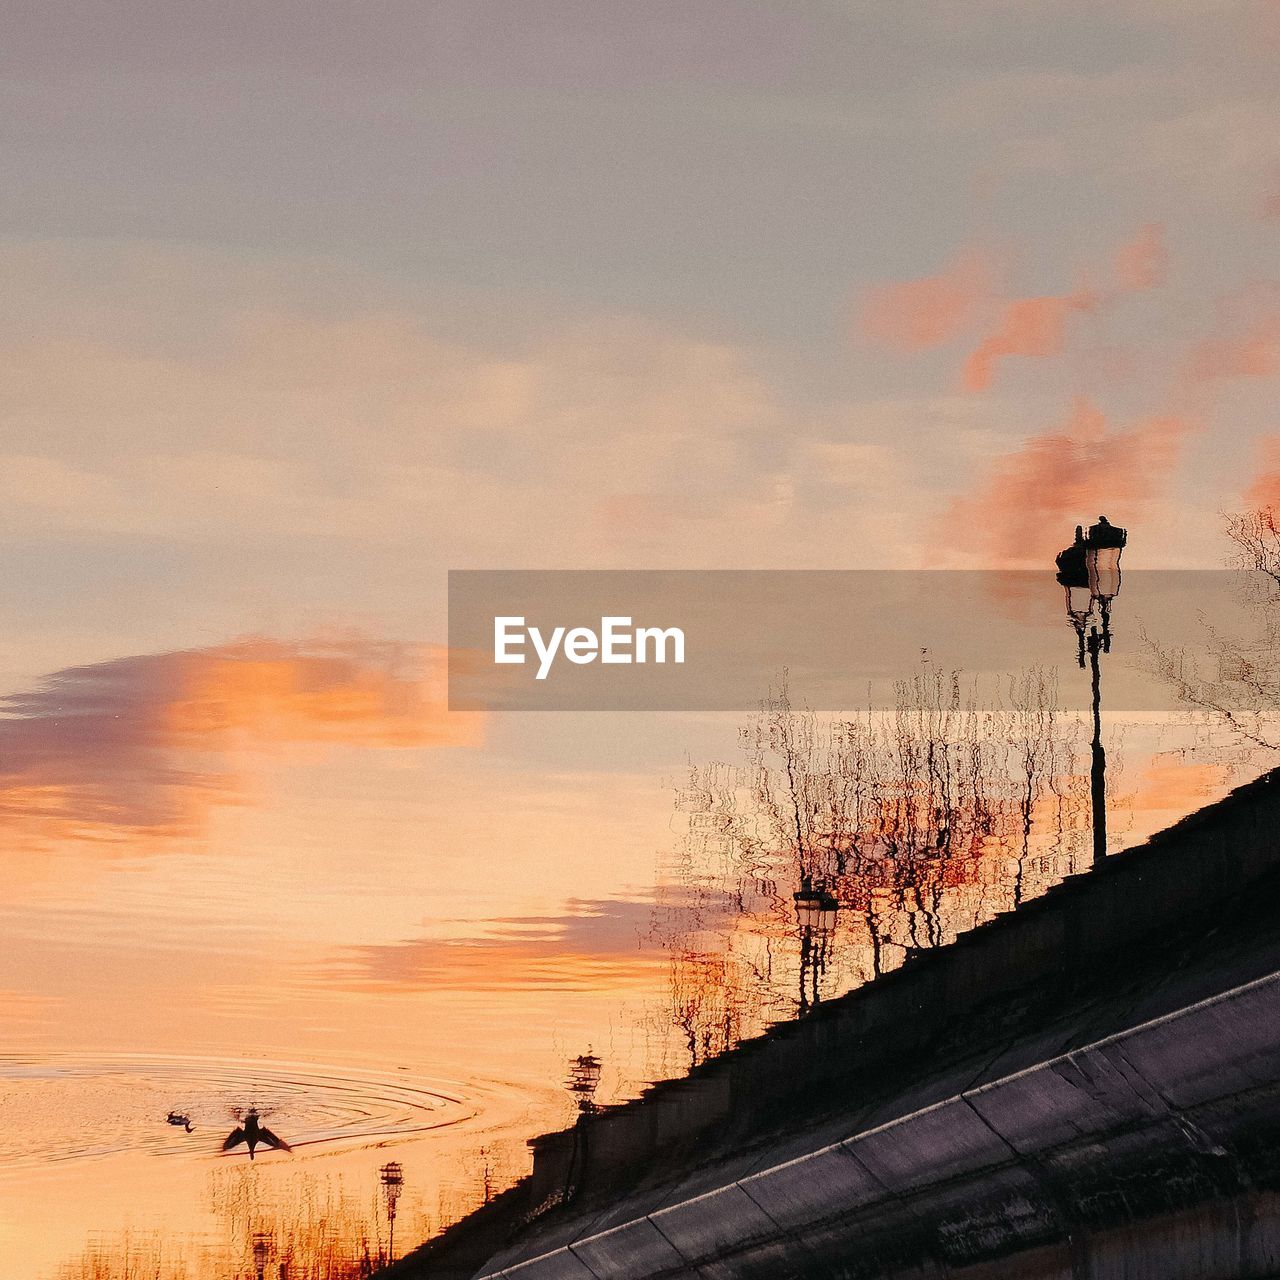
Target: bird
[[252, 1131], [177, 1118]]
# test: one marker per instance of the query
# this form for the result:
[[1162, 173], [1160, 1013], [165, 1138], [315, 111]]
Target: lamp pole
[[261, 1251], [816, 910], [1089, 569], [1098, 764], [392, 1177]]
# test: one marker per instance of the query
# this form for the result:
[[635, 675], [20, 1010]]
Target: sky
[[308, 305], [307, 308]]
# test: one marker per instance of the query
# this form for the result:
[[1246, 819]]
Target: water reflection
[[845, 844], [483, 917], [325, 1216], [143, 747]]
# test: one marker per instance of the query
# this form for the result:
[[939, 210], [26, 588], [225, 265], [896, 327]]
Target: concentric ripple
[[75, 1107]]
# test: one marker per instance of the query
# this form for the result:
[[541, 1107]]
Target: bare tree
[[1234, 678], [1256, 535], [921, 819]]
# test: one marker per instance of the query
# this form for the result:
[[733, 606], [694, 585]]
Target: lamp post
[[1089, 570], [1102, 559], [583, 1081], [816, 912], [392, 1177], [261, 1251]]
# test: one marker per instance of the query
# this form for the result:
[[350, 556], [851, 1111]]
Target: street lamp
[[392, 1176], [584, 1080], [261, 1251], [816, 912], [1073, 574], [1092, 565], [1102, 559]]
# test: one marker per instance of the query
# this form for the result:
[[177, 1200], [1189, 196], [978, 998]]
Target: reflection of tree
[[922, 820], [709, 1001], [313, 1229], [1235, 678], [1256, 535], [1238, 683]]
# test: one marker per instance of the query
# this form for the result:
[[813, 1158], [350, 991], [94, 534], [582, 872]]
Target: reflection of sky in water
[[266, 850], [303, 314]]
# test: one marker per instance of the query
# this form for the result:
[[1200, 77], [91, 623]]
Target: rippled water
[[412, 966], [72, 1107], [86, 1154]]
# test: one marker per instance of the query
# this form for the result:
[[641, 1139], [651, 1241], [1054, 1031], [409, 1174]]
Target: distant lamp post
[[261, 1251], [392, 1178], [816, 912], [584, 1080]]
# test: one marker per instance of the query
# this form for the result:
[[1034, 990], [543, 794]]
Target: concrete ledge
[[800, 1192], [635, 1246], [723, 1219], [992, 1171]]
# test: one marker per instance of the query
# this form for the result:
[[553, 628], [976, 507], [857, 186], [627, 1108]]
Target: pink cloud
[[1032, 497], [147, 745], [1028, 327], [914, 315], [1264, 491], [1251, 351], [1143, 263]]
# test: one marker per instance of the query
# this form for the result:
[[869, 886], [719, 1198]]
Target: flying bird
[[252, 1131]]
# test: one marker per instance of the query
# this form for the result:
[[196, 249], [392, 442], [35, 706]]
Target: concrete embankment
[[1086, 1088]]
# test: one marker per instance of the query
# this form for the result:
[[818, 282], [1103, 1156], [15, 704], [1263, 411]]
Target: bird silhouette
[[252, 1131], [180, 1120]]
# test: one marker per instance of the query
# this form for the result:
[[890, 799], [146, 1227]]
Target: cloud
[[1143, 263], [914, 315], [1264, 491], [1028, 327], [961, 300], [1248, 348], [146, 746], [1033, 496], [592, 945]]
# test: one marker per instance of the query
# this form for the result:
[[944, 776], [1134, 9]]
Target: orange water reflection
[[144, 747], [374, 900]]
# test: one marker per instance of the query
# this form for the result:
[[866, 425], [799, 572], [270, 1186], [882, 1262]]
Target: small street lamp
[[816, 912], [584, 1080], [261, 1251], [392, 1178]]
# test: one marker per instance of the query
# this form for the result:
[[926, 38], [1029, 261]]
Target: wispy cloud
[[913, 315], [1246, 340], [1143, 263], [144, 746], [1083, 466], [1027, 327], [592, 944], [1264, 489], [963, 301]]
